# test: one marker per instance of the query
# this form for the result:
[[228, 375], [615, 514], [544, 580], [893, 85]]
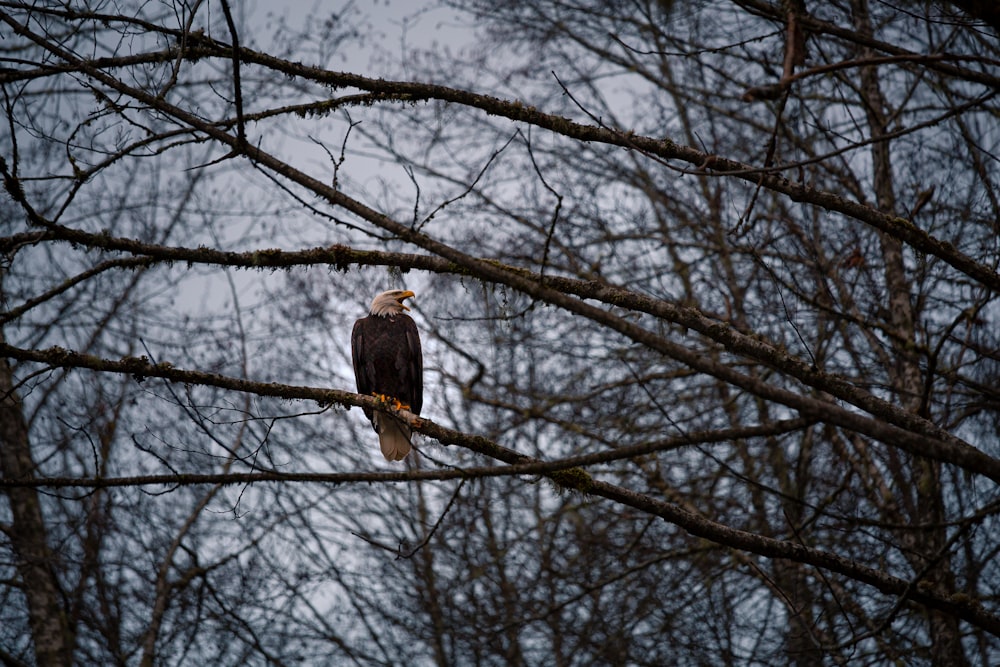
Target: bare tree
[[708, 293]]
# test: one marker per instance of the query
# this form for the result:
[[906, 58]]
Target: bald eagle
[[385, 348]]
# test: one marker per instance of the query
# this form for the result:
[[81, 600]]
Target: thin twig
[[241, 136]]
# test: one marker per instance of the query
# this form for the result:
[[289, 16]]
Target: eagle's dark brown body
[[385, 348]]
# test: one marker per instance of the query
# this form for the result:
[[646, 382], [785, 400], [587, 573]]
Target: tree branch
[[901, 228], [893, 425]]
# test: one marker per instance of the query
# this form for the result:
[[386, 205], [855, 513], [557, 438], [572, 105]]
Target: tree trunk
[[906, 379], [50, 630]]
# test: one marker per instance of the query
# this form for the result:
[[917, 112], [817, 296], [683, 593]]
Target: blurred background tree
[[708, 293]]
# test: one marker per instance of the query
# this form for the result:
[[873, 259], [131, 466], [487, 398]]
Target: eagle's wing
[[361, 376], [416, 366]]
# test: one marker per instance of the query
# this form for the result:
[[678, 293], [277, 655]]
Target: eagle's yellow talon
[[391, 402]]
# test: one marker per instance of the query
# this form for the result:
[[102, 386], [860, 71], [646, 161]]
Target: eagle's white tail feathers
[[393, 436]]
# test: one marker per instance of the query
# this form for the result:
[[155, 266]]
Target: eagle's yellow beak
[[405, 295]]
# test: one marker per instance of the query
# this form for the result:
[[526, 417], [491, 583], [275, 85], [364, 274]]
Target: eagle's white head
[[390, 303]]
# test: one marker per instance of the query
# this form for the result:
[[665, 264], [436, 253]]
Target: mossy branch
[[565, 474]]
